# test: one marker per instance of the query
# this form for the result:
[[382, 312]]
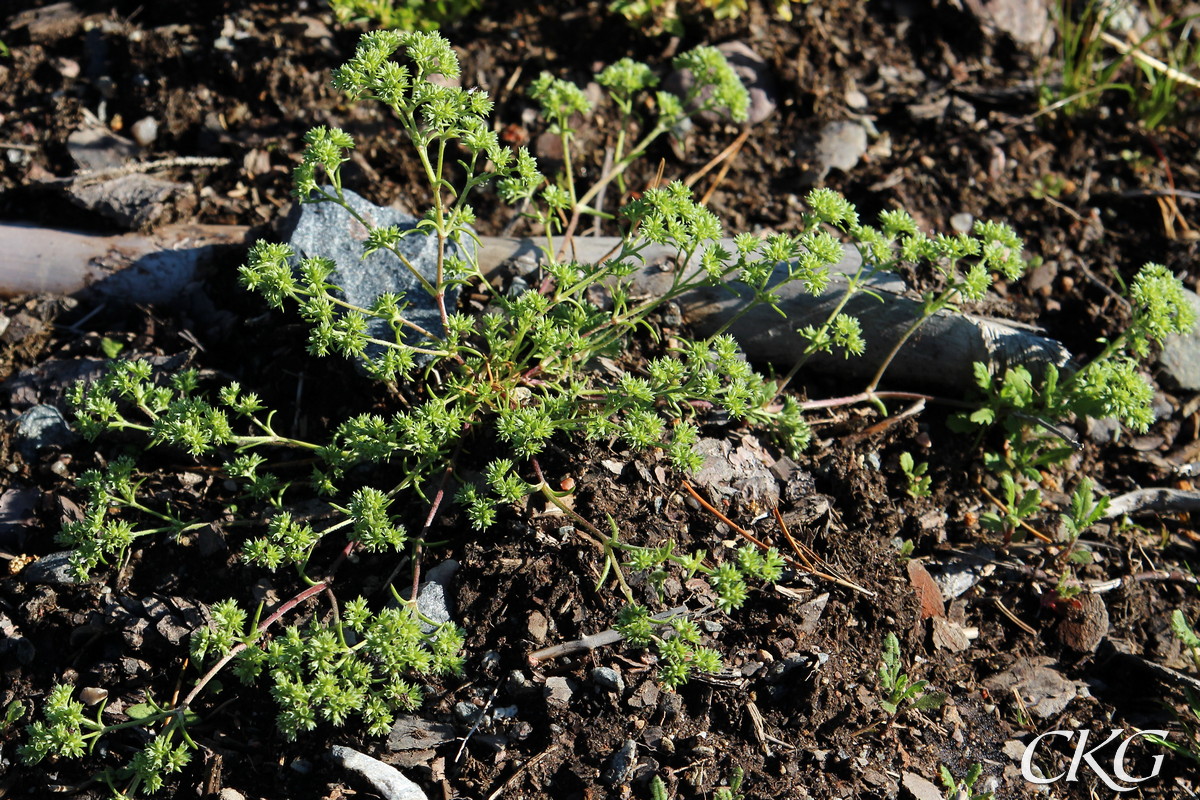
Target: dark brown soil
[[798, 706]]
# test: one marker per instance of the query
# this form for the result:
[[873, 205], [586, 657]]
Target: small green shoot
[[12, 714], [964, 789], [1018, 506], [111, 347], [658, 787], [408, 15], [1084, 512], [918, 483], [1186, 634], [899, 692]]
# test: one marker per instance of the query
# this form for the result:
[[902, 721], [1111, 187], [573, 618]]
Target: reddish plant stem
[[433, 510], [311, 591], [240, 646], [869, 396], [748, 536]]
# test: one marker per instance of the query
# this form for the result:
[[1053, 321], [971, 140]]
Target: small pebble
[[466, 712], [621, 766], [558, 692], [840, 146], [962, 222], [54, 568], [67, 67], [505, 712], [90, 695], [145, 131], [609, 679], [856, 100], [385, 780]]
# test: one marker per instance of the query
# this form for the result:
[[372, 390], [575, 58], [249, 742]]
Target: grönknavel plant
[[521, 373]]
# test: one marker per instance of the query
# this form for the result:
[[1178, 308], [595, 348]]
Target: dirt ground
[[954, 112]]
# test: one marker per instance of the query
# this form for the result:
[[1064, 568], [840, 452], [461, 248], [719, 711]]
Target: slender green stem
[[927, 313], [852, 288], [390, 248], [565, 137]]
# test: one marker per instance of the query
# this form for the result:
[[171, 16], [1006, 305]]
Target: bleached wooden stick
[[157, 267]]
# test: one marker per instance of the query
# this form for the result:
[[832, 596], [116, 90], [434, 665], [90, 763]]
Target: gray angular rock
[[42, 426], [95, 147], [608, 679], [18, 517], [388, 781], [1042, 688], [327, 230], [1026, 21], [135, 202], [839, 146], [737, 474], [433, 598], [1180, 357], [414, 733], [467, 713], [920, 788], [54, 568], [558, 692], [620, 769]]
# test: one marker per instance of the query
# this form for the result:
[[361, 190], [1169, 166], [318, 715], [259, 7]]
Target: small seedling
[[899, 692], [1186, 634], [964, 789], [111, 347], [656, 17], [12, 713], [658, 787], [918, 481], [1018, 505], [1084, 512], [1050, 185]]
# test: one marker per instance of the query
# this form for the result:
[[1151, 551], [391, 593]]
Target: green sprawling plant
[[657, 17], [408, 15], [679, 652], [1110, 385], [67, 732], [513, 378]]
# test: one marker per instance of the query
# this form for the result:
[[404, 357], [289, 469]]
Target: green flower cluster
[[361, 664]]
